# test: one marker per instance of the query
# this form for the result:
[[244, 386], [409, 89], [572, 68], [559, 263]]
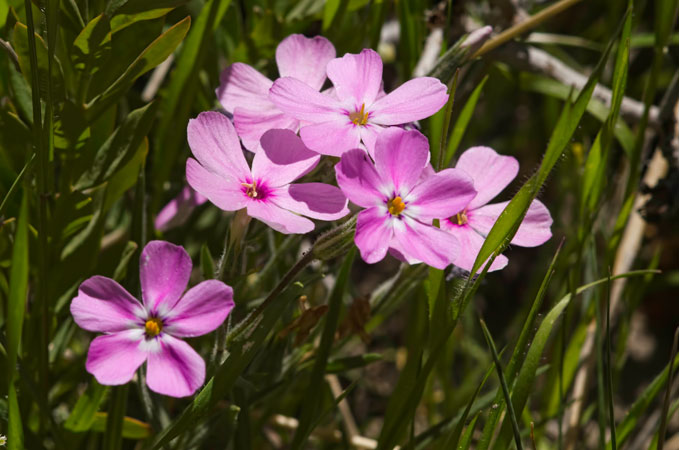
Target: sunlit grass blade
[[15, 184], [84, 412], [503, 384], [462, 122], [518, 354], [508, 223], [18, 291], [466, 440], [526, 377], [312, 406]]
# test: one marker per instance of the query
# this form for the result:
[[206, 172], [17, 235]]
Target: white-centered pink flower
[[492, 173], [221, 173], [402, 197], [334, 124], [244, 92], [151, 331]]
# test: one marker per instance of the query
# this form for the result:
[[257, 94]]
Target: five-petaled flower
[[492, 173], [402, 197], [245, 92], [221, 173], [136, 332], [334, 124]]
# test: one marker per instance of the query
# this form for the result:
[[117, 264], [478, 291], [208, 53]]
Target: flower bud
[[335, 242]]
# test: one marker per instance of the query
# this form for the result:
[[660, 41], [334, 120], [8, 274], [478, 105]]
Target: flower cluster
[[408, 209]]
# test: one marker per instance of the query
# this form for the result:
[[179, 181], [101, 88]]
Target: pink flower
[[333, 125], [491, 174], [136, 332], [222, 175], [402, 198], [178, 210], [245, 92]]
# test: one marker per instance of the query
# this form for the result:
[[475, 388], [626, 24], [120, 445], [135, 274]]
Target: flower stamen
[[251, 189], [461, 218], [396, 206], [153, 326], [359, 117]]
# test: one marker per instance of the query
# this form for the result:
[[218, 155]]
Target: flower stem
[[285, 281], [527, 25]]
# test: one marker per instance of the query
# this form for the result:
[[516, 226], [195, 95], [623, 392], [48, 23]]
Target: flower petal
[[252, 124], [331, 138], [215, 144], [283, 158], [316, 200], [175, 369], [302, 102], [104, 306], [440, 195], [490, 171], [113, 358], [358, 179], [357, 76], [201, 310], [470, 244], [413, 100], [278, 218], [400, 158], [241, 86], [164, 271], [225, 193], [304, 58], [369, 133], [534, 230], [373, 234], [425, 243], [178, 210]]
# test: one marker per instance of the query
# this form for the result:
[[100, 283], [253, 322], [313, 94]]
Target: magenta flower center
[[396, 206], [359, 117], [153, 326]]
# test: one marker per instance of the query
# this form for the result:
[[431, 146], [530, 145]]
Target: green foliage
[[95, 97]]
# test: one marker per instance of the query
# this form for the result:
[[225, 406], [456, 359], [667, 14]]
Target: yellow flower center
[[359, 117], [153, 326], [396, 206], [461, 218], [252, 189]]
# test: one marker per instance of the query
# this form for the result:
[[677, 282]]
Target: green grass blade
[[466, 440], [437, 153], [181, 91], [312, 405], [503, 384], [241, 352], [18, 290], [506, 225], [666, 403], [609, 369], [517, 359], [83, 415], [156, 52], [15, 184], [463, 121], [452, 440], [526, 377]]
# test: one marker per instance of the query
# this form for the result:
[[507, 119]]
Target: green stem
[[285, 281], [526, 25]]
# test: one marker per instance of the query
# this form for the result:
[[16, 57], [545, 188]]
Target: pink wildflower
[[136, 332], [223, 176], [492, 173], [402, 198], [245, 92], [178, 210], [333, 125]]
